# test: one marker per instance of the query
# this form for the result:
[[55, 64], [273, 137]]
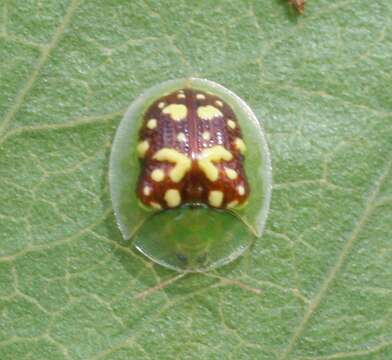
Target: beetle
[[191, 152], [190, 175]]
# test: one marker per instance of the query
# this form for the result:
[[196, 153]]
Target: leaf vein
[[332, 273], [45, 53]]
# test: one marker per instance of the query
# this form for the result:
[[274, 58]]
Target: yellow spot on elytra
[[177, 112], [172, 197], [232, 204], [210, 155], [157, 175], [231, 124], [219, 103], [152, 124], [147, 190], [200, 96], [215, 198], [181, 96], [241, 190], [231, 174], [161, 105], [155, 205], [181, 137], [240, 145], [208, 112], [181, 161], [206, 135], [142, 148]]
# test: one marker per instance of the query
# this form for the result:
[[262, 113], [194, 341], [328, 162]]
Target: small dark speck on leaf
[[182, 258], [299, 5]]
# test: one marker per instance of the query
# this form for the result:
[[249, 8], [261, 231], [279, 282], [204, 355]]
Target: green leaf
[[317, 285]]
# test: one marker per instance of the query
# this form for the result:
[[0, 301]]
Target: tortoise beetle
[[190, 175]]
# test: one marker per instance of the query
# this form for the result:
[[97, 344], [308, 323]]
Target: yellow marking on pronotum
[[206, 135], [142, 148], [181, 161], [172, 197], [231, 174], [231, 124], [200, 97], [219, 103], [147, 190], [215, 198], [240, 145], [152, 124], [241, 190], [161, 105], [181, 137], [232, 204], [177, 112], [155, 205], [157, 175], [213, 154], [208, 112]]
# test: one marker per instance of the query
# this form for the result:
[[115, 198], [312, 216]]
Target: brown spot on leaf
[[299, 5]]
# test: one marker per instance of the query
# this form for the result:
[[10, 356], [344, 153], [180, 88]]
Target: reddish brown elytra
[[192, 152]]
